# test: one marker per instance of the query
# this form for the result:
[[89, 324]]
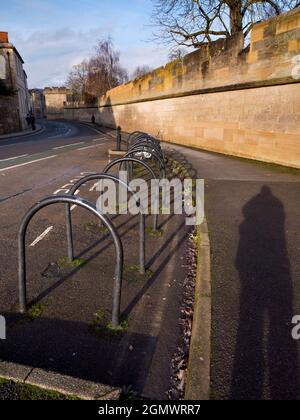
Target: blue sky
[[53, 35]]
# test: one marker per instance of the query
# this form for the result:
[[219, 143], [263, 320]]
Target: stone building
[[38, 103], [14, 94], [55, 99]]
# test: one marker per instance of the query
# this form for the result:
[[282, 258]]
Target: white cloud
[[49, 55], [52, 36]]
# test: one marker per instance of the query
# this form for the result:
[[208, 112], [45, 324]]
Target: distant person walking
[[32, 122], [28, 120], [93, 119]]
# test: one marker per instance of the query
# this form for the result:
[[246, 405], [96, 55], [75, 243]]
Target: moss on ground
[[131, 273], [96, 228], [65, 264], [101, 326], [10, 390], [36, 311], [154, 233], [178, 169]]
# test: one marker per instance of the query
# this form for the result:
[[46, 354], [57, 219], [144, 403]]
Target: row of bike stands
[[141, 147], [147, 147]]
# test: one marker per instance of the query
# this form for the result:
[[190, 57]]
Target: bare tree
[[92, 78], [104, 69], [177, 54], [192, 23], [141, 71], [77, 80]]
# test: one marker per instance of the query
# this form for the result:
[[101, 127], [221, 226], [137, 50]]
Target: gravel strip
[[180, 358]]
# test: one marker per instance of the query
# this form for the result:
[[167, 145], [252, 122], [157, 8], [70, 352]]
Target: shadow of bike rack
[[102, 176], [107, 223]]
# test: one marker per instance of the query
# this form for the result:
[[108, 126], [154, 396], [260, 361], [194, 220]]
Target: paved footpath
[[254, 221]]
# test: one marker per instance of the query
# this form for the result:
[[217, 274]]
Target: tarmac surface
[[254, 221], [66, 330]]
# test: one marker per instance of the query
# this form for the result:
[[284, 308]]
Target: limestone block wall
[[9, 117], [240, 123], [55, 99], [226, 98]]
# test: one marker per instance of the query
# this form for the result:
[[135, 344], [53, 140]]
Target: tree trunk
[[236, 18]]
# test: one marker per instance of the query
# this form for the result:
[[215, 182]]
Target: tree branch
[[250, 3]]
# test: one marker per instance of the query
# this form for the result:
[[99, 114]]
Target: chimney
[[4, 37]]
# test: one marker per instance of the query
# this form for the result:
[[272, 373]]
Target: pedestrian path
[[24, 133], [253, 217]]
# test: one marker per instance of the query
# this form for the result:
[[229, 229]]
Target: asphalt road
[[70, 303], [58, 137], [254, 221]]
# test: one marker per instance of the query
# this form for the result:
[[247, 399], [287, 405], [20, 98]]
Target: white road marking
[[50, 228], [72, 182], [63, 190], [88, 147], [94, 186], [73, 207], [27, 163], [67, 145], [12, 158], [42, 236]]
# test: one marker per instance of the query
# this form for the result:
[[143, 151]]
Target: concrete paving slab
[[13, 371], [67, 385]]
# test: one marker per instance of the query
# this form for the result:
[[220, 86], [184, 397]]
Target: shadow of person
[[265, 361]]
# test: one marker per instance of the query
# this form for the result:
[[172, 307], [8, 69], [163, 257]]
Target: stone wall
[[38, 103], [9, 118], [226, 98], [55, 100], [14, 78]]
